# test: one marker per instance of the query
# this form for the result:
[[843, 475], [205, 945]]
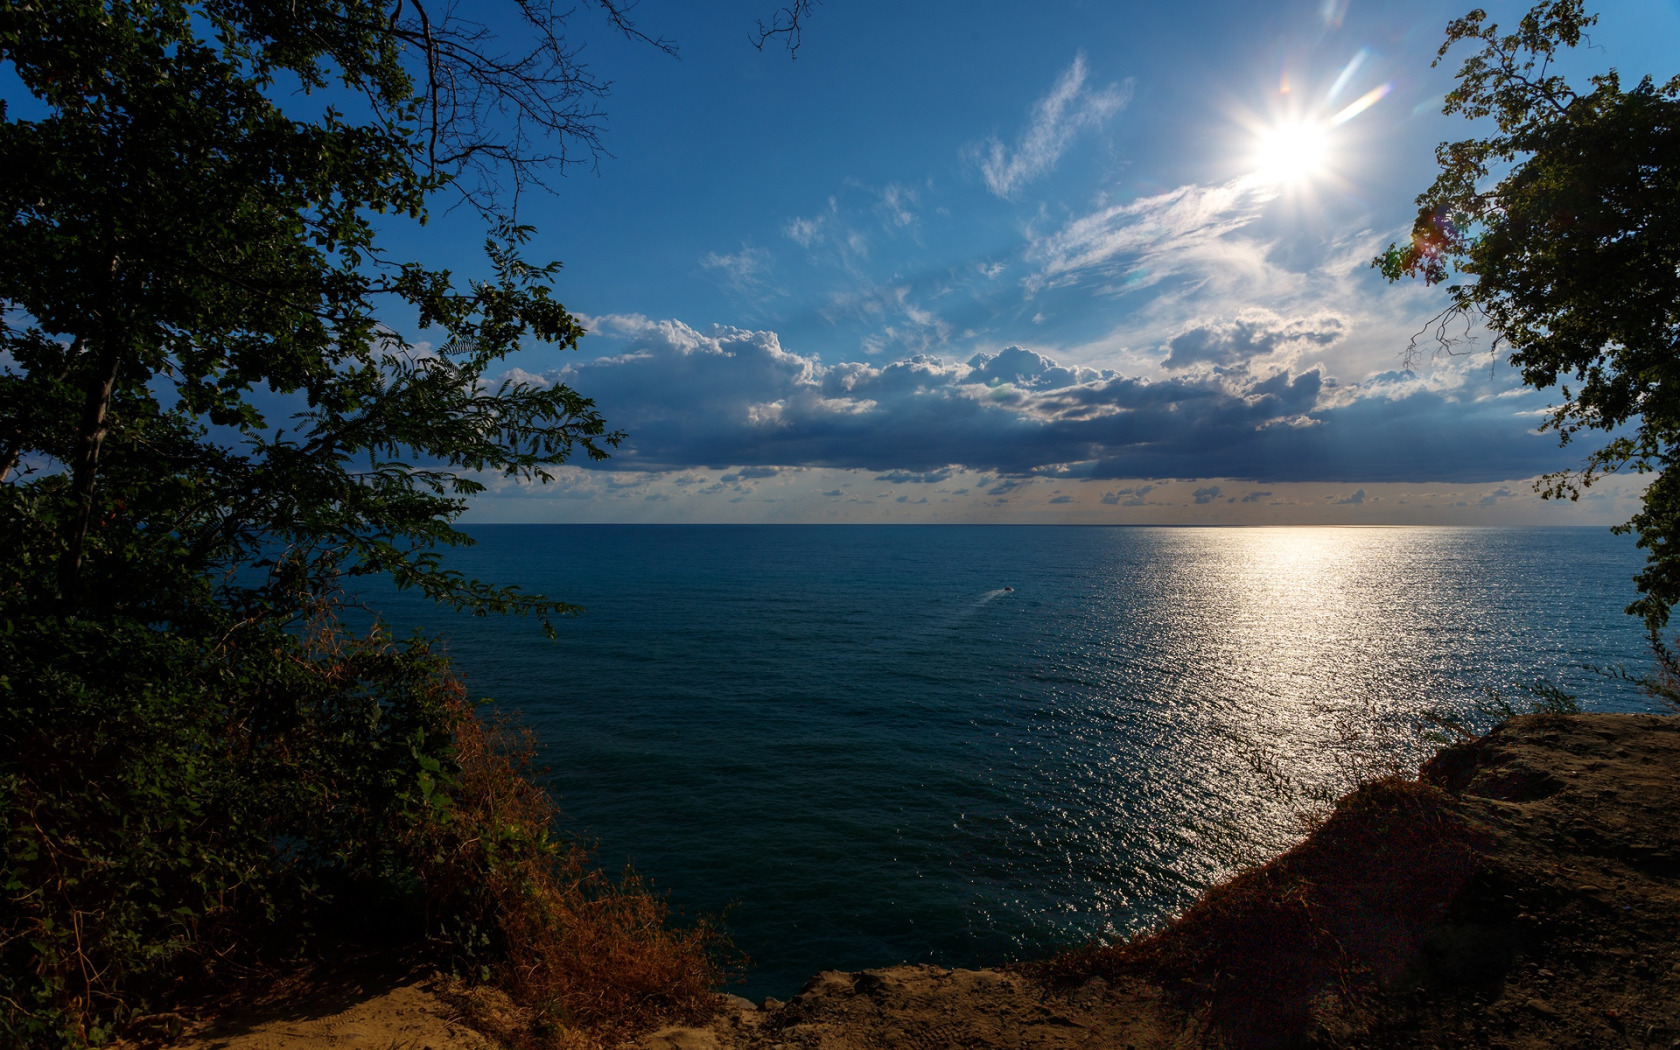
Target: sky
[[1057, 262]]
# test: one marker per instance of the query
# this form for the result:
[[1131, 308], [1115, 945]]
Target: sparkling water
[[962, 745]]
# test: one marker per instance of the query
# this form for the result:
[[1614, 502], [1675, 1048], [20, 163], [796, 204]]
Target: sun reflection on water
[[1259, 672]]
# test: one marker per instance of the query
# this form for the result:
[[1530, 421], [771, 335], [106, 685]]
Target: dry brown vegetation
[[584, 958], [1522, 893], [1446, 909], [505, 929]]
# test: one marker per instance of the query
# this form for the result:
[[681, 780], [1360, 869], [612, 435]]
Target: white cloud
[[895, 206], [804, 232], [1255, 335], [896, 317], [1152, 238], [745, 273], [1057, 119]]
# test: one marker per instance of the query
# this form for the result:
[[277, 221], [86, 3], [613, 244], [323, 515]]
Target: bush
[[176, 811], [573, 947]]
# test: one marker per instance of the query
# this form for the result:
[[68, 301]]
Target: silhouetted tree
[[208, 418], [1561, 234]]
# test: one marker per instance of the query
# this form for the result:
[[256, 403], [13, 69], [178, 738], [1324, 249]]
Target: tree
[[1560, 233], [208, 422], [180, 241]]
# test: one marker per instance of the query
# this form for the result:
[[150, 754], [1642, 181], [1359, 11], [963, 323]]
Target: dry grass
[[584, 958]]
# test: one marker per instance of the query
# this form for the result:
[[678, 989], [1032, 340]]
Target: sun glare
[[1292, 152]]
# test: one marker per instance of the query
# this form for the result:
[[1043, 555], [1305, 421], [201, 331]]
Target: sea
[[963, 745]]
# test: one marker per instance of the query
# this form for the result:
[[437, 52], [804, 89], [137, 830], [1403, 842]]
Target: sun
[[1292, 151]]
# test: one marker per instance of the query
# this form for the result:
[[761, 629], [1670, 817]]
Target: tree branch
[[787, 22]]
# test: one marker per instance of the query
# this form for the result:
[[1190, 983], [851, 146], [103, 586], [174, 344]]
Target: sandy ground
[[355, 1016], [1526, 894], [925, 1007]]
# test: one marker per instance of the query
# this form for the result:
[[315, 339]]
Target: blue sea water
[[961, 745]]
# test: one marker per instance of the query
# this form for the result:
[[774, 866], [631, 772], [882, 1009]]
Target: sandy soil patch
[[356, 1016]]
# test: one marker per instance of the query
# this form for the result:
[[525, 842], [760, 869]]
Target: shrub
[[574, 947], [176, 810]]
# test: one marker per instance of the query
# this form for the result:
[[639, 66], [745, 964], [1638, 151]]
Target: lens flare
[[1362, 103]]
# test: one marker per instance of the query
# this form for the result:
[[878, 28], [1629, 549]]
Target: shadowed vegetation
[[208, 429]]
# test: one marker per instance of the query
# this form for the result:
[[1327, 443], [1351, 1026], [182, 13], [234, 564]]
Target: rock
[[680, 1038], [1542, 1007], [829, 982], [871, 983]]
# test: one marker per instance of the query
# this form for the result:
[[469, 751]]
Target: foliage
[[169, 806], [207, 426], [310, 785], [180, 252], [1662, 683], [1560, 232]]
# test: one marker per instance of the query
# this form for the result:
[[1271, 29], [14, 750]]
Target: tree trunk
[[93, 428]]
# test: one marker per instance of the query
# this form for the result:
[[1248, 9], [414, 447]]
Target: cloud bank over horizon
[[1246, 397]]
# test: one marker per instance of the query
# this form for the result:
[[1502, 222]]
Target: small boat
[[1009, 588]]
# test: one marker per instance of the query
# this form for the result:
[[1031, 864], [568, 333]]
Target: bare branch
[[788, 22], [1438, 330], [619, 15]]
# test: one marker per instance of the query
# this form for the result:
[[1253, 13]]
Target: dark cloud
[[1206, 495], [748, 474], [1495, 496], [1062, 499], [1128, 497], [1380, 378], [900, 477], [1256, 497], [731, 396], [1352, 501]]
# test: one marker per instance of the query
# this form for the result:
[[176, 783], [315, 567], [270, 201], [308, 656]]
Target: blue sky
[[1009, 262]]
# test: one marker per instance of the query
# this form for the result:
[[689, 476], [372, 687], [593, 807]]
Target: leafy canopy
[[207, 420], [184, 257], [1560, 232]]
